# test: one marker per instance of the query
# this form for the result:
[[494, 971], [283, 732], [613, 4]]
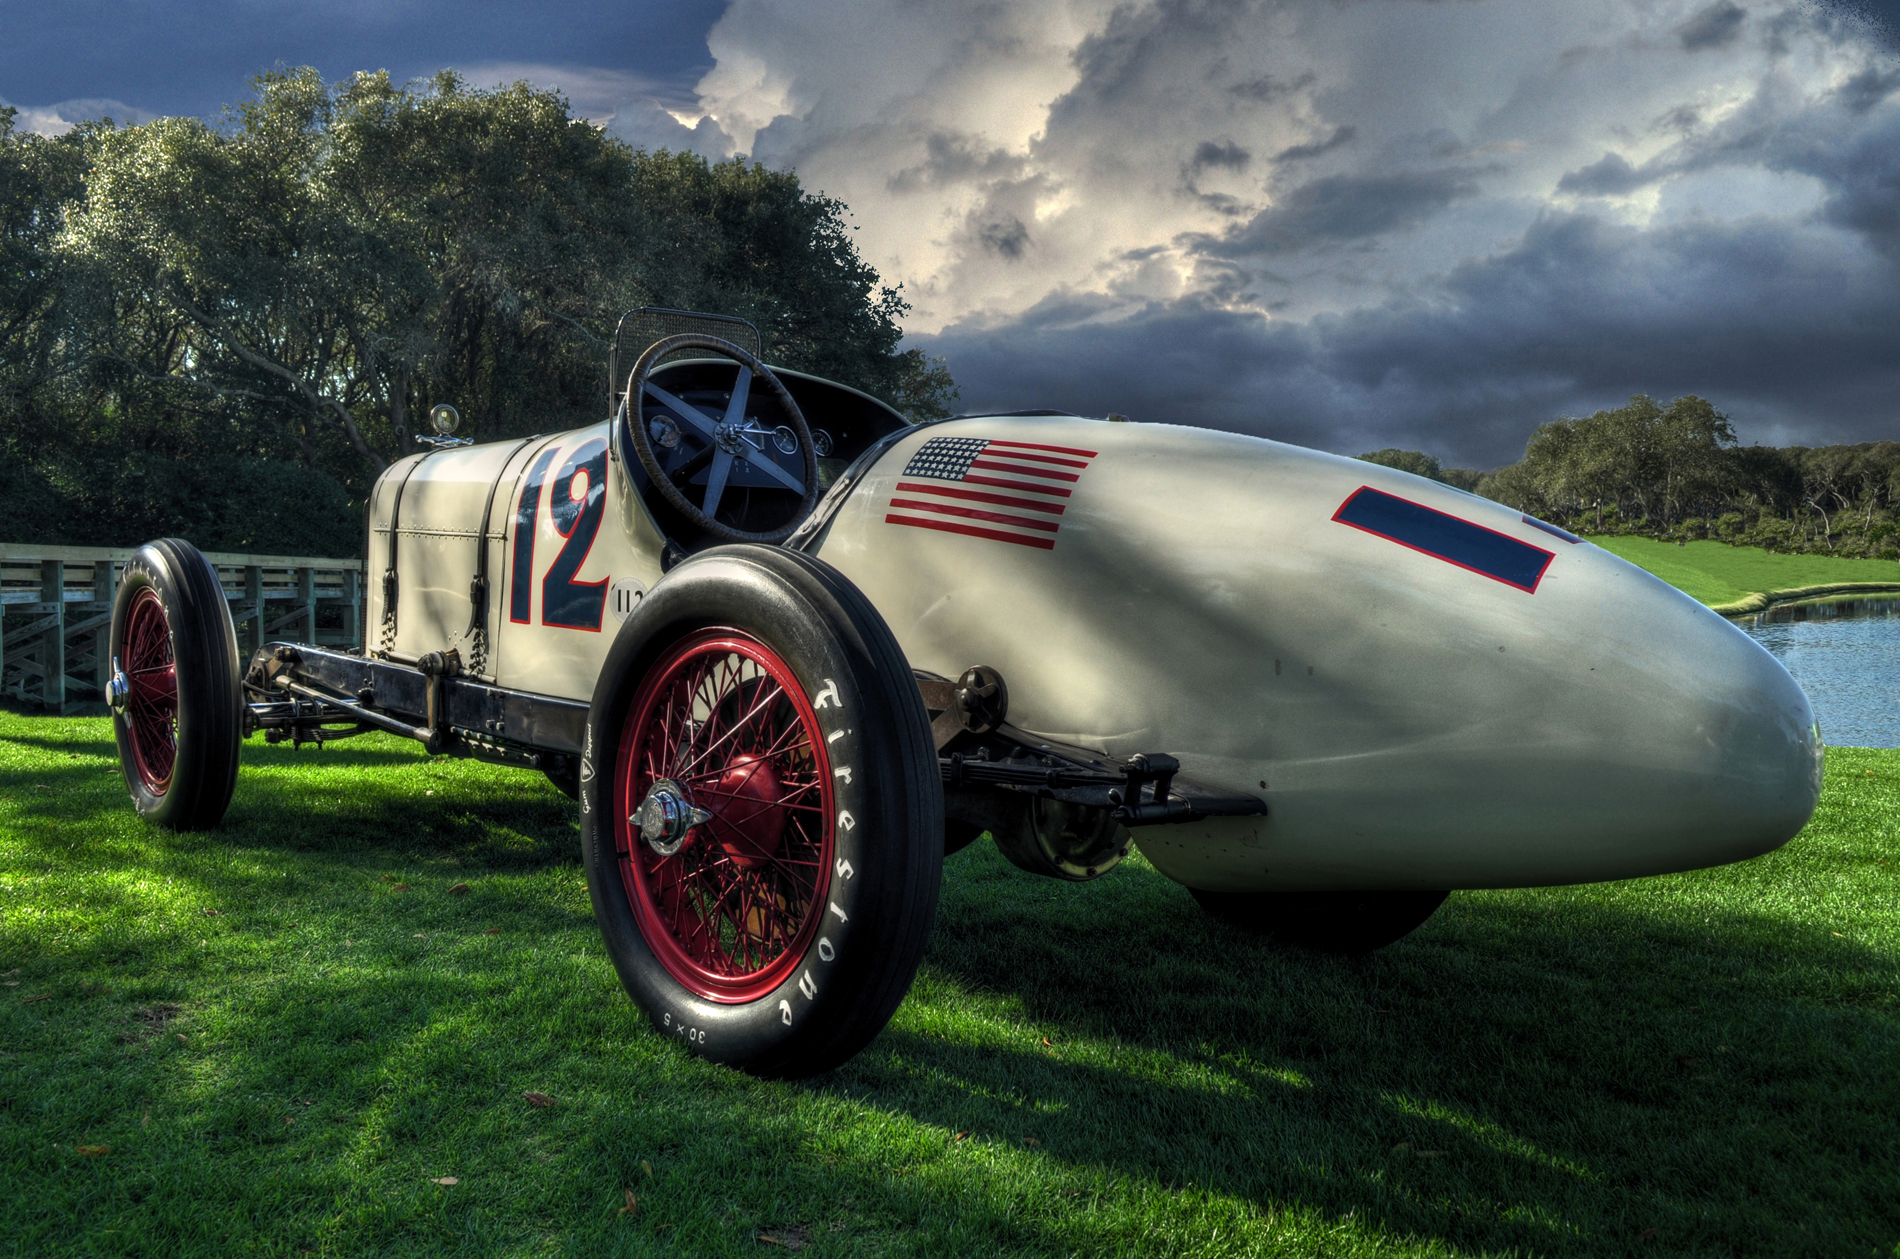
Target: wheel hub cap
[[665, 817]]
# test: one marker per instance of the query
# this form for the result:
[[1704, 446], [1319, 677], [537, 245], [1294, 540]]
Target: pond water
[[1846, 656]]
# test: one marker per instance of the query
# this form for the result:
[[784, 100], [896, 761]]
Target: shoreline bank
[[1761, 601]]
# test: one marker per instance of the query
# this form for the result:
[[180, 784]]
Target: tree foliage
[[279, 295], [1677, 471], [1418, 463]]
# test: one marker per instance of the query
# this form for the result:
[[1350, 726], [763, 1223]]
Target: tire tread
[[204, 646]]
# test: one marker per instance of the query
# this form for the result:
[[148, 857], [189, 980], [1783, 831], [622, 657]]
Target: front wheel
[[174, 687], [1330, 922], [761, 813]]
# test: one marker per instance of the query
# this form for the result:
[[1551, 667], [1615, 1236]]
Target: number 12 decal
[[565, 603]]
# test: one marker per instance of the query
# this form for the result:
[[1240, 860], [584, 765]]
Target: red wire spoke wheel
[[761, 812], [733, 908], [174, 686], [152, 695]]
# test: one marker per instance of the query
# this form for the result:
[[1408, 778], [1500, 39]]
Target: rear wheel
[[1331, 922], [174, 688], [761, 812]]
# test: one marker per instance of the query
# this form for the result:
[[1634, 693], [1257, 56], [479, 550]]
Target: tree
[[38, 177], [1661, 463], [201, 324], [1415, 462], [737, 238], [1676, 470], [335, 247]]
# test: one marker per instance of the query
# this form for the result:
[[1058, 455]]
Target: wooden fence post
[[254, 605], [353, 606], [105, 588], [53, 640], [307, 600]]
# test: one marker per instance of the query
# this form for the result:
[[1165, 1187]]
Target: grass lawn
[[1715, 572], [279, 1037]]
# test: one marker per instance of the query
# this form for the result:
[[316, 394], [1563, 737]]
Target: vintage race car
[[789, 651]]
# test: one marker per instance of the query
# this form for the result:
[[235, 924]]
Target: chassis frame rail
[[300, 692], [977, 747], [1141, 790], [298, 689]]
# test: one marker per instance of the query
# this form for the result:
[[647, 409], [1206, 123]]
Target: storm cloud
[[1339, 208], [1358, 225], [1714, 27], [1796, 327]]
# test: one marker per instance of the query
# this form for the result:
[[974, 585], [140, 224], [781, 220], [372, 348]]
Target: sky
[[1350, 224]]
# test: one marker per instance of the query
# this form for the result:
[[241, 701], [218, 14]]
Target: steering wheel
[[722, 439]]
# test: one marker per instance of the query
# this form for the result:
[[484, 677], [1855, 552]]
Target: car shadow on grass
[[1557, 1070]]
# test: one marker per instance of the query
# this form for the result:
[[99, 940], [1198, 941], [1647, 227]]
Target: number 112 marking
[[565, 603]]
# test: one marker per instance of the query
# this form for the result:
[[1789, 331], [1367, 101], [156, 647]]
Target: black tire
[[1329, 922], [842, 979], [180, 757]]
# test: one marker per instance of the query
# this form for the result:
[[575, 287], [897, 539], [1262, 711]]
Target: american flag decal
[[985, 488]]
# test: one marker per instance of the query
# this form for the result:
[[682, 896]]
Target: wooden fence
[[56, 613]]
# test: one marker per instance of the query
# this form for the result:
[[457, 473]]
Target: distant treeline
[[1677, 472], [226, 332]]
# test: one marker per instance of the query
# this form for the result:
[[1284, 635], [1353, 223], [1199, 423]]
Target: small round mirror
[[443, 418]]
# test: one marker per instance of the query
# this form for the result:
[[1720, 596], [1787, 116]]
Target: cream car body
[[1409, 721]]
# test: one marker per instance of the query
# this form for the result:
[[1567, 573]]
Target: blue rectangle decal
[[1443, 536]]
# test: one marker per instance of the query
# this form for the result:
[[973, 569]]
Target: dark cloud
[[1714, 27], [1851, 150], [1830, 138], [1610, 176], [1008, 237], [954, 159], [1793, 329], [1864, 174], [1267, 88], [1683, 118], [1342, 208], [1341, 135], [1137, 40], [1868, 88], [1228, 154]]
